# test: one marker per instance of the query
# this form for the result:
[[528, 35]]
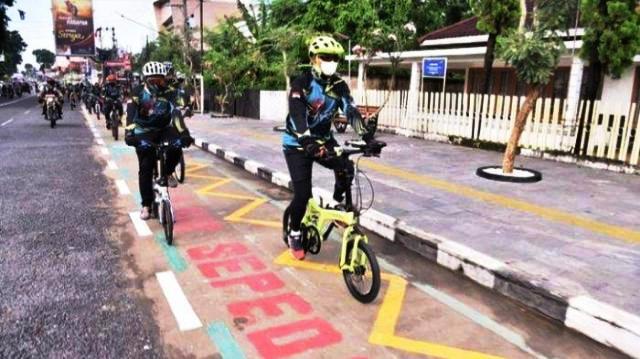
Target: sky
[[37, 28]]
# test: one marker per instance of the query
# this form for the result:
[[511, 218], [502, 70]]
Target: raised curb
[[601, 322]]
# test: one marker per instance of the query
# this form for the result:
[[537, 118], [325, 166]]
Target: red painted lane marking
[[270, 342], [261, 282], [195, 219], [232, 265], [317, 334], [270, 306], [222, 250]]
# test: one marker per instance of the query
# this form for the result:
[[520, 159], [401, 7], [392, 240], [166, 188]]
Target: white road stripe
[[104, 150], [141, 226], [122, 187], [100, 141], [111, 164], [180, 306], [27, 112], [15, 101], [7, 122]]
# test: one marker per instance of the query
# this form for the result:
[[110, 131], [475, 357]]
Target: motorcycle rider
[[112, 93], [50, 89], [153, 117]]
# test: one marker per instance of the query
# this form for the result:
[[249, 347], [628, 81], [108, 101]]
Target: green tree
[[229, 64], [44, 57], [12, 53], [611, 40], [534, 54], [495, 17], [29, 69], [4, 22]]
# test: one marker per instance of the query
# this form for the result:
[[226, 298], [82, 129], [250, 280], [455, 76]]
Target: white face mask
[[328, 68]]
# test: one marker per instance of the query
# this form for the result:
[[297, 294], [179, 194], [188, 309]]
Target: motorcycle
[[51, 112]]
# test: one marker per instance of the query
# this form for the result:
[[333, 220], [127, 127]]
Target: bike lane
[[228, 286]]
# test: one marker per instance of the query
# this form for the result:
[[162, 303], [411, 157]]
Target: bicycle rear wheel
[[180, 169], [285, 226], [364, 282], [167, 224], [114, 125]]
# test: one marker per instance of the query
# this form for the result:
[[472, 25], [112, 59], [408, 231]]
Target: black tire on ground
[[53, 122], [340, 126], [168, 222], [372, 125], [372, 293], [114, 125], [180, 170], [285, 227], [155, 213]]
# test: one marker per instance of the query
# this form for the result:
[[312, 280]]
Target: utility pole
[[201, 58]]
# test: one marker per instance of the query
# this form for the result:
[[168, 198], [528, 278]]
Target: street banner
[[73, 27]]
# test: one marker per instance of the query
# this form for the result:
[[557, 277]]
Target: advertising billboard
[[73, 27]]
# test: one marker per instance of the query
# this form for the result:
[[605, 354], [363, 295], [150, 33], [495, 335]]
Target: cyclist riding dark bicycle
[[112, 94], [314, 100], [152, 118]]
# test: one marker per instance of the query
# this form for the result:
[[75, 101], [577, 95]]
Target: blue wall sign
[[434, 67]]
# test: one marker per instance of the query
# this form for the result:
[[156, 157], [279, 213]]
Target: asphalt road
[[64, 288]]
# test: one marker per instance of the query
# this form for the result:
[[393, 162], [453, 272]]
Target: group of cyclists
[[315, 97]]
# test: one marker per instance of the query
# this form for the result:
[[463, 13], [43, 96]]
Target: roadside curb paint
[[613, 327], [221, 336], [171, 253]]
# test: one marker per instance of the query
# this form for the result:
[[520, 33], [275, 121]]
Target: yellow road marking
[[237, 216], [551, 214], [544, 212], [383, 331]]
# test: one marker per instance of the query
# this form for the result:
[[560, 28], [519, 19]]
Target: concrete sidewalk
[[568, 246]]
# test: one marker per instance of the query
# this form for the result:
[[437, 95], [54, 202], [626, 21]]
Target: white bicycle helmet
[[154, 68], [180, 75]]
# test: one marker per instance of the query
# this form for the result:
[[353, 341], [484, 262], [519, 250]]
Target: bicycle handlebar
[[370, 149]]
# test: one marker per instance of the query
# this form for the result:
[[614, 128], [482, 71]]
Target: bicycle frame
[[321, 219], [161, 193]]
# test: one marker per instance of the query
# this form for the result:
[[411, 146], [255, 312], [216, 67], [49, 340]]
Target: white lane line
[[141, 226], [6, 122], [111, 165], [27, 112], [467, 311], [180, 306], [15, 101], [122, 187], [100, 141], [104, 150]]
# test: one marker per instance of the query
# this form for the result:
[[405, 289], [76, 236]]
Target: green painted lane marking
[[175, 259], [221, 336]]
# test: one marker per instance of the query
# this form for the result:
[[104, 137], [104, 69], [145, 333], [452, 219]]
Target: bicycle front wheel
[[364, 281], [167, 221], [180, 169]]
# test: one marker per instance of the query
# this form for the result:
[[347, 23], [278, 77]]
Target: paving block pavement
[[568, 246]]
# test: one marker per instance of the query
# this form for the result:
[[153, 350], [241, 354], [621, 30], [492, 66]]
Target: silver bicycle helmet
[[154, 68]]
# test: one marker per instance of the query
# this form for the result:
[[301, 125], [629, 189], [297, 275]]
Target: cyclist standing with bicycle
[[314, 101], [153, 117]]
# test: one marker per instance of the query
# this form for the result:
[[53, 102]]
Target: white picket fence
[[613, 137]]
